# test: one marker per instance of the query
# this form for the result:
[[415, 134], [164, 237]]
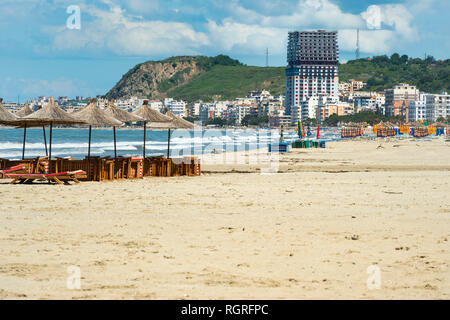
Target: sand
[[310, 231]]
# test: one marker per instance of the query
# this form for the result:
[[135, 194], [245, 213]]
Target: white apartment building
[[308, 108], [207, 111], [240, 111], [220, 107], [271, 107], [398, 99], [312, 69], [156, 105], [437, 105], [417, 109], [194, 109], [177, 107]]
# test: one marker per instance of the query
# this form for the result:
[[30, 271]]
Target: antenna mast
[[357, 44], [267, 57]]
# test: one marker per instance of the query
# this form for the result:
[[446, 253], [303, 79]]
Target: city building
[[351, 86], [312, 58], [63, 99], [193, 109], [176, 107], [367, 101], [339, 108], [437, 106], [240, 111], [398, 99], [207, 111], [156, 105], [417, 109], [276, 121]]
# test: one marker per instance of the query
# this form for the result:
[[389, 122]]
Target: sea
[[71, 142]]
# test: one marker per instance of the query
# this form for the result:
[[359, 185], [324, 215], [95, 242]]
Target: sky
[[70, 47]]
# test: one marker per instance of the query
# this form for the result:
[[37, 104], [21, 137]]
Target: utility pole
[[357, 44]]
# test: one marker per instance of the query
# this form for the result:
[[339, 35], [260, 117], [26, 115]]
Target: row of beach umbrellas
[[91, 115]]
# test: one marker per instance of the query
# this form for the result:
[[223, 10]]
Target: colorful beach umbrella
[[300, 129]]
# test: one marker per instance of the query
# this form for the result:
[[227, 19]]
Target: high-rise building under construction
[[312, 69]]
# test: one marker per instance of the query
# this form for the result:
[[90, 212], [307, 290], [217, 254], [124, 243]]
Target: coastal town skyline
[[52, 58], [225, 158]]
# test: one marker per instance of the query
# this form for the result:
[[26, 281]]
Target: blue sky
[[39, 55]]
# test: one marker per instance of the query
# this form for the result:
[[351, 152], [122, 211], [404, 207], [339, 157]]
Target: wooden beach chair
[[20, 168], [59, 178]]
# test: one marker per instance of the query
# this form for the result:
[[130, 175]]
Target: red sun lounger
[[19, 167], [56, 177]]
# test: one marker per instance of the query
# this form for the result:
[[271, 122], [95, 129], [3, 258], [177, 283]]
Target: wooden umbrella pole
[[168, 144], [51, 134], [45, 140], [145, 136], [115, 148], [89, 144], [24, 139]]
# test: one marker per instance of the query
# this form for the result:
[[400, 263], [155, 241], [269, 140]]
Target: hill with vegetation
[[193, 78], [382, 72]]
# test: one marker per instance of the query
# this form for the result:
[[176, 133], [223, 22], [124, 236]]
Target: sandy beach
[[310, 231]]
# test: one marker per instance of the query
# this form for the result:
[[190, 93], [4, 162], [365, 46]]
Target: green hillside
[[214, 78], [226, 82], [382, 72]]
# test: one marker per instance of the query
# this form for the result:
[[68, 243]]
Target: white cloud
[[244, 31], [245, 38], [371, 41], [123, 34], [305, 13], [34, 87], [311, 14], [372, 16], [147, 6]]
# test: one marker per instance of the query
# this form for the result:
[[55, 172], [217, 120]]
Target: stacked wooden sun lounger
[[101, 169], [36, 165], [60, 177], [21, 168], [163, 167], [106, 169]]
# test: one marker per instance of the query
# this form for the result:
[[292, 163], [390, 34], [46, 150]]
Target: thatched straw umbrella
[[48, 115], [5, 116], [389, 125], [94, 116], [120, 114], [156, 119], [177, 123], [25, 111]]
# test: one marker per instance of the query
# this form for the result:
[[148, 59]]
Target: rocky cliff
[[158, 79]]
